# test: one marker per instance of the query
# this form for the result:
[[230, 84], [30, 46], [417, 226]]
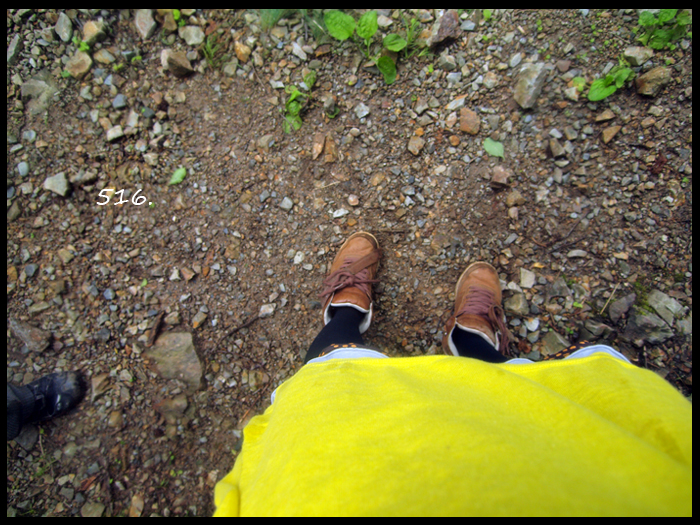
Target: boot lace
[[482, 302], [342, 278]]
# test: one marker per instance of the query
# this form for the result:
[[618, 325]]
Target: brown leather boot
[[349, 282], [478, 308]]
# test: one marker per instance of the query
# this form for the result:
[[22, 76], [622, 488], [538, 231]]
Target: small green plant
[[342, 27], [65, 74], [81, 44], [579, 83], [135, 59], [412, 28], [614, 80], [296, 103], [661, 32], [487, 14], [539, 25], [211, 51], [117, 67], [178, 18], [270, 17]]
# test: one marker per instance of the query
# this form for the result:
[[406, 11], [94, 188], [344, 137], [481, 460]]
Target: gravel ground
[[587, 217]]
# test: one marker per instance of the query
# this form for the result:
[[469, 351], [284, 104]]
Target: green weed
[[81, 44], [614, 80], [297, 103], [211, 50], [661, 32], [412, 29], [342, 27], [178, 18], [270, 17]]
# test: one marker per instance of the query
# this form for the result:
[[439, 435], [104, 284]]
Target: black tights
[[344, 328]]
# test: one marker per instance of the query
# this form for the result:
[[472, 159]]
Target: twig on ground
[[236, 329], [153, 332], [611, 296]]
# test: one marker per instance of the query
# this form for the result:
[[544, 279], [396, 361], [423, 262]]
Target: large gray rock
[[558, 288], [620, 307], [665, 306], [516, 305], [38, 92], [145, 25], [192, 35], [34, 338], [64, 27], [529, 84], [13, 50], [645, 327], [553, 343], [173, 357], [57, 184], [637, 55]]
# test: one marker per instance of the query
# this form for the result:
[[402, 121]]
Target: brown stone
[[556, 149], [79, 64], [415, 144], [609, 133], [448, 27], [605, 115], [515, 198], [469, 121], [650, 83], [317, 146], [330, 151], [34, 338], [563, 65], [500, 176], [178, 64], [173, 357], [242, 51]]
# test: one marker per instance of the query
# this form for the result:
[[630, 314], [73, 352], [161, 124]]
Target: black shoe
[[55, 394]]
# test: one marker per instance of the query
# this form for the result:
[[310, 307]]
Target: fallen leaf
[[178, 176], [493, 148]]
